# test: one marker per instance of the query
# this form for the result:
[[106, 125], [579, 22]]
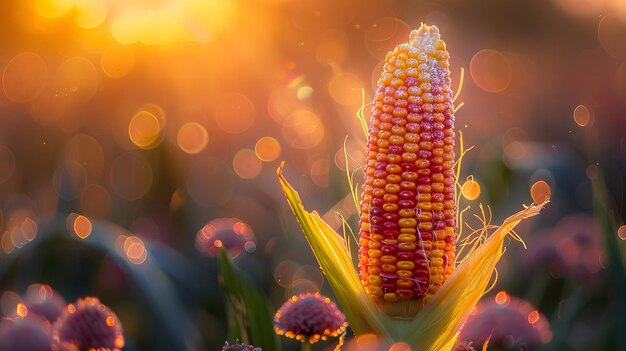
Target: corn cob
[[407, 225]]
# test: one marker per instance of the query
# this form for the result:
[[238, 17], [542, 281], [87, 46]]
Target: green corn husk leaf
[[436, 326], [249, 310]]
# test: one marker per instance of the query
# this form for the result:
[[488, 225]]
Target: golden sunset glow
[[437, 155]]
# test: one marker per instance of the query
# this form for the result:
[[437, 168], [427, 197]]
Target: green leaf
[[153, 287], [251, 317], [603, 212]]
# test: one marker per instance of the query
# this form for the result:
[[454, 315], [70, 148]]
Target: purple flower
[[573, 248], [309, 317], [25, 334], [239, 347], [230, 233], [506, 321], [89, 324], [41, 300]]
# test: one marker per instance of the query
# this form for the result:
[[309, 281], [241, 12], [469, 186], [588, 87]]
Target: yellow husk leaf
[[332, 255], [436, 326], [442, 317]]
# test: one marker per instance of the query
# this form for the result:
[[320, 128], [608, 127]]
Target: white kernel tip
[[424, 36]]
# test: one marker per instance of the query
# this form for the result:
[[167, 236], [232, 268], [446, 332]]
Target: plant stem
[[306, 346], [537, 288]]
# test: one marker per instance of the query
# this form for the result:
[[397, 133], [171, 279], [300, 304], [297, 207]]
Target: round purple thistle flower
[[309, 317], [25, 334], [42, 301], [89, 324], [239, 347], [573, 248], [507, 321], [230, 233]]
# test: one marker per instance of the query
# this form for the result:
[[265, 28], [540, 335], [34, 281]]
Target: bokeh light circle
[[304, 92], [303, 129], [144, 130], [20, 230], [38, 293], [385, 33], [117, 61], [205, 26], [165, 22], [621, 232], [75, 81], [9, 301], [533, 317], [345, 88], [502, 297], [246, 164], [232, 234], [491, 70], [611, 33], [20, 222], [356, 152], [400, 346], [311, 274], [592, 172], [319, 172], [81, 226], [267, 149], [282, 101], [470, 189], [540, 191], [366, 342], [301, 286], [135, 249], [86, 151], [582, 115], [90, 13], [234, 113], [24, 77], [284, 272], [131, 176], [53, 8], [192, 138], [333, 48]]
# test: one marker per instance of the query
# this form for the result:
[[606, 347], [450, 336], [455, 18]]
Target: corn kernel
[[406, 265], [407, 238]]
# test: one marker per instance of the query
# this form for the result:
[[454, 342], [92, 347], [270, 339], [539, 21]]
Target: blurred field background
[[138, 137]]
